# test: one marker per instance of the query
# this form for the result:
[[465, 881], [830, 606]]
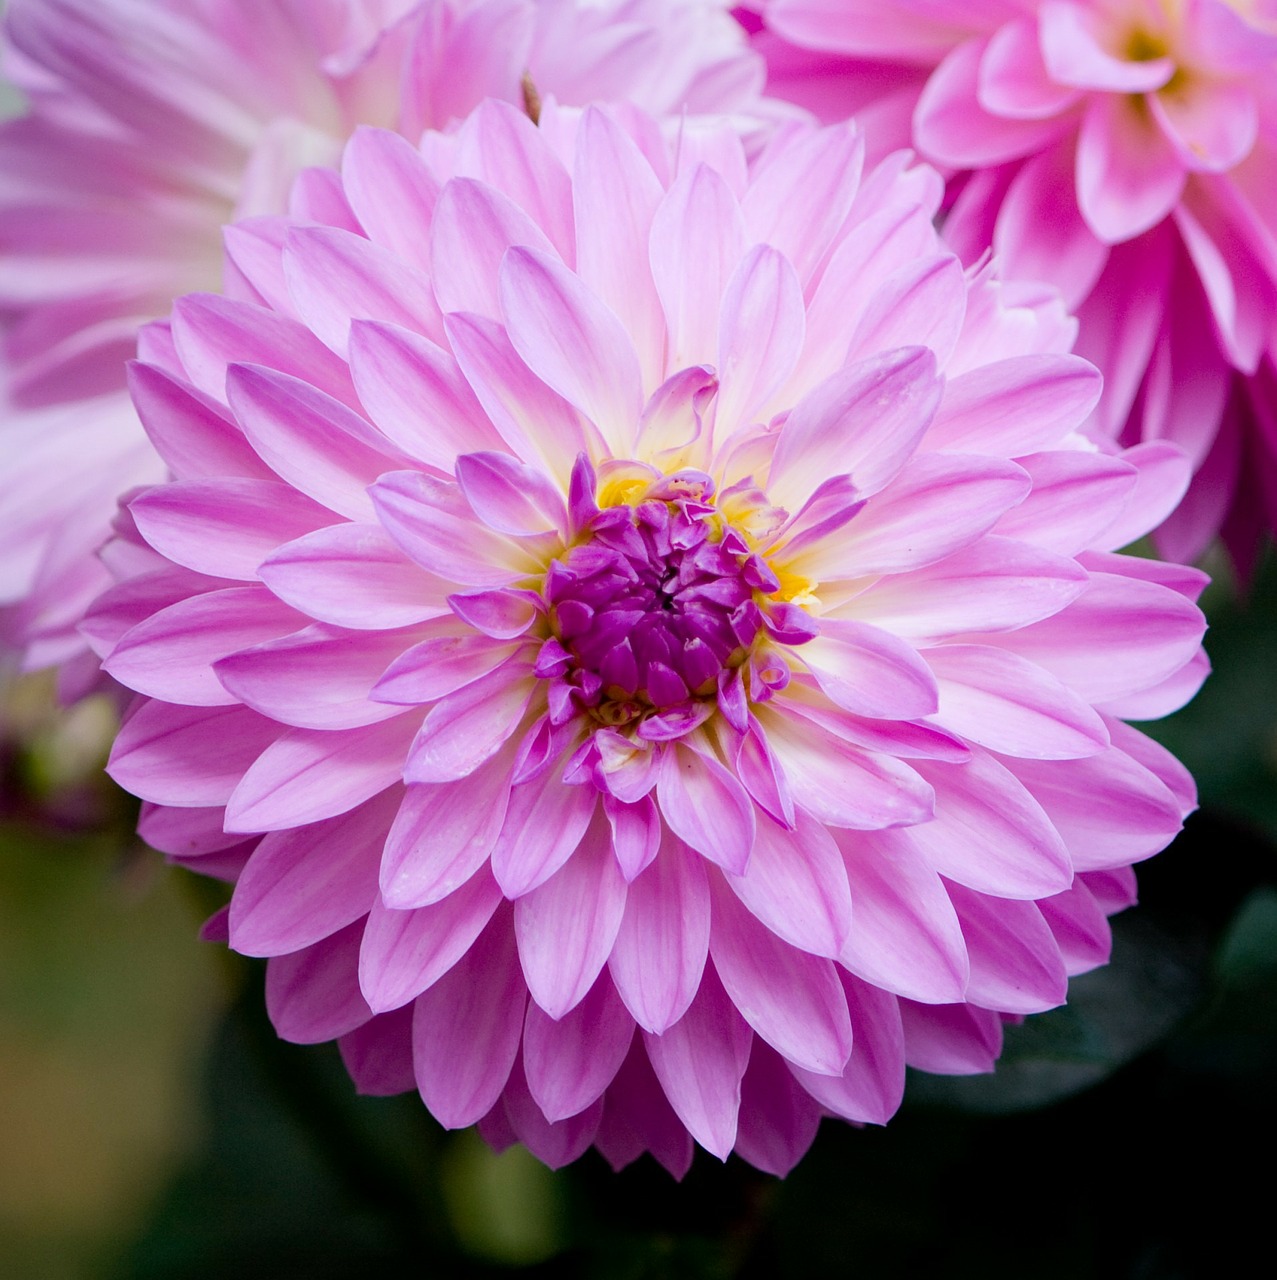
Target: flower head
[[1120, 149], [645, 647], [153, 123]]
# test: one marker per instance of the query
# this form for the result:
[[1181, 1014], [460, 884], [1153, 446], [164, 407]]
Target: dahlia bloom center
[[661, 600]]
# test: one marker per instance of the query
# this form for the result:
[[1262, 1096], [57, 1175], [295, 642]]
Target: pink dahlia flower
[[1123, 150], [646, 648], [154, 122]]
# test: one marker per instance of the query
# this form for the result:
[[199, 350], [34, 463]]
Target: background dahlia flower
[[1123, 150], [646, 648], [154, 122]]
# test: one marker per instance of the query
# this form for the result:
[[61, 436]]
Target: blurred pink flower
[[154, 122], [1123, 150], [589, 571]]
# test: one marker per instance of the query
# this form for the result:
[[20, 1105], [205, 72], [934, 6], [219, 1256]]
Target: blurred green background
[[152, 1127]]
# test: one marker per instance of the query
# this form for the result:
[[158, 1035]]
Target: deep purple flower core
[[656, 605]]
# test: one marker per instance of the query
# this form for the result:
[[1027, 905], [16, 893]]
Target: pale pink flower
[[154, 122], [646, 648], [1125, 151]]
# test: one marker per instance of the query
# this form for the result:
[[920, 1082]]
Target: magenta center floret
[[654, 607]]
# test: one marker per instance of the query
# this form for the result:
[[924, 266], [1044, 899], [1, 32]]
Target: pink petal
[[210, 332], [778, 1117], [1128, 175], [194, 438], [1076, 498], [865, 421], [905, 935], [545, 822], [700, 1061], [433, 523], [566, 926], [762, 776], [938, 504], [615, 195], [225, 528], [466, 1029], [405, 952], [316, 196], [184, 833], [1040, 232], [995, 584], [1014, 80], [921, 304], [391, 191], [796, 885], [1080, 928], [637, 1118], [839, 783], [491, 42], [793, 1000], [871, 1088], [170, 654], [883, 243], [335, 277], [500, 615], [1211, 124], [825, 165], [1189, 382], [187, 756], [1015, 406], [1109, 809], [353, 575], [309, 439], [449, 657], [1121, 635], [1114, 890], [698, 238], [1121, 319], [443, 834], [254, 252], [468, 727], [1166, 696], [869, 672], [989, 833], [378, 1055], [1158, 761], [573, 342], [473, 227], [1072, 47], [303, 884], [705, 806], [554, 1144], [415, 393], [569, 1062], [918, 31], [1016, 966], [951, 1039], [659, 955], [502, 146], [309, 774], [537, 424], [510, 496], [1235, 278], [312, 995], [1009, 704], [318, 678], [952, 128], [636, 833], [760, 336]]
